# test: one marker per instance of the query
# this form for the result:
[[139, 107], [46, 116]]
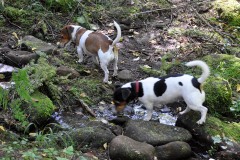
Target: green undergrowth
[[215, 126]]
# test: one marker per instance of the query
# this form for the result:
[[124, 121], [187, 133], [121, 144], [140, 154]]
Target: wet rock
[[155, 133], [125, 75], [120, 120], [122, 147], [95, 136], [173, 150], [38, 44], [64, 71], [208, 133], [19, 58], [188, 121]]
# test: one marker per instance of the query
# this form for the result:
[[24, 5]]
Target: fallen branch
[[87, 108]]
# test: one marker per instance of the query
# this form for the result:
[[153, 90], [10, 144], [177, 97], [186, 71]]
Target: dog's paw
[[200, 122]]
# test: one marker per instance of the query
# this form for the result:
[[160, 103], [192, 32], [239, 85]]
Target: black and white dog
[[157, 91]]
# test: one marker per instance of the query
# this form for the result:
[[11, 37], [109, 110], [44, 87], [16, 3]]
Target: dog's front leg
[[149, 112], [80, 54]]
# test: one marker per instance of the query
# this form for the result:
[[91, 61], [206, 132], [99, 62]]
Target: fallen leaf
[[32, 134], [2, 128], [147, 66], [105, 146], [238, 87], [15, 35]]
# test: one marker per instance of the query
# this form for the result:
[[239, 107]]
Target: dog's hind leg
[[203, 110], [185, 111], [106, 72]]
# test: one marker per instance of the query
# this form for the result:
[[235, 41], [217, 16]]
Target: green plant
[[3, 98], [61, 5]]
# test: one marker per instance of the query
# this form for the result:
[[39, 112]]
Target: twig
[[170, 8], [86, 107], [11, 22]]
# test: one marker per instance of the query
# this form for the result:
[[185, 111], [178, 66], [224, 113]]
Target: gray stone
[[155, 133], [19, 58], [125, 75], [64, 71], [38, 44], [95, 136], [125, 148], [173, 150]]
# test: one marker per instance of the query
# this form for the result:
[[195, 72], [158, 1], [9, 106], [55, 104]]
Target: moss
[[225, 66], [87, 90], [203, 34], [40, 72], [229, 11], [19, 16], [215, 126], [42, 106], [218, 95]]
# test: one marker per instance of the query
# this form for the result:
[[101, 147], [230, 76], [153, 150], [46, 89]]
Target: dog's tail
[[203, 66], [119, 33]]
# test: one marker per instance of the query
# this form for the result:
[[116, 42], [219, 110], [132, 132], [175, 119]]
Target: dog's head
[[65, 35], [121, 97]]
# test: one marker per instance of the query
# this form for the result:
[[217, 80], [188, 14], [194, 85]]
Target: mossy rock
[[229, 11], [212, 128], [218, 95], [215, 126], [225, 66], [41, 107]]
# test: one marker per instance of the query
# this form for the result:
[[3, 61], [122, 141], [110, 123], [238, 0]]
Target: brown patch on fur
[[66, 34], [120, 106], [95, 41], [79, 34]]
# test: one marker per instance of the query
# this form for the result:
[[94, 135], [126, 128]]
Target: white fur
[[104, 58], [191, 95]]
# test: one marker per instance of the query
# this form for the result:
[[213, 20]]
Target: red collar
[[137, 87]]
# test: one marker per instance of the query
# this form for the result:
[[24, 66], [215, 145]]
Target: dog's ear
[[125, 94]]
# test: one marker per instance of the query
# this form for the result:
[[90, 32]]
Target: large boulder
[[122, 147], [38, 45], [95, 136], [155, 133], [214, 133], [174, 150], [19, 58]]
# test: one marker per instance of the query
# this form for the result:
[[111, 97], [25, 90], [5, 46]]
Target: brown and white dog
[[96, 44], [156, 91]]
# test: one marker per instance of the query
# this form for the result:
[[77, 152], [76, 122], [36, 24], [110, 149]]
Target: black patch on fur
[[180, 83], [160, 87], [196, 84]]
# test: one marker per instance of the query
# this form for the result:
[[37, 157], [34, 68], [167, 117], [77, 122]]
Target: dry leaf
[[238, 87], [15, 35], [2, 128], [105, 146]]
